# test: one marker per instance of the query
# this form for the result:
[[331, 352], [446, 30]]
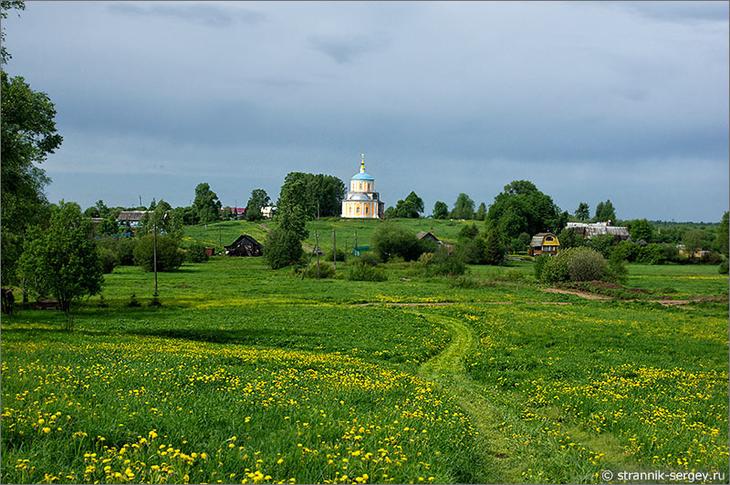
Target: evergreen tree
[[481, 212], [605, 212], [258, 200], [582, 213]]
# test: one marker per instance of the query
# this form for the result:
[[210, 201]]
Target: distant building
[[235, 212], [131, 219], [268, 211], [245, 245], [362, 202], [589, 230], [428, 236], [544, 243]]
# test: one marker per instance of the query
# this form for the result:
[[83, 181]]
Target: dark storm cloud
[[209, 15], [590, 100]]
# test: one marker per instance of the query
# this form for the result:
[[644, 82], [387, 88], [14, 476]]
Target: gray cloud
[[204, 14], [590, 100], [345, 49]]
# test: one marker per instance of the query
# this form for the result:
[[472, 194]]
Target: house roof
[[424, 234], [539, 238], [240, 239], [131, 216]]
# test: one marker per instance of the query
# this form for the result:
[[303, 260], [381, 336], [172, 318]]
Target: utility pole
[[155, 300]]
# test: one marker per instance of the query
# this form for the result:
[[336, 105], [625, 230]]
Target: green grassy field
[[347, 231], [251, 375]]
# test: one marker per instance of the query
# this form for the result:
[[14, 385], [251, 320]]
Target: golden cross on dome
[[362, 163]]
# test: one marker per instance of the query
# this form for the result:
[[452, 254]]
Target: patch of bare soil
[[581, 294]]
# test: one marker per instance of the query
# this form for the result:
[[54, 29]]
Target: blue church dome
[[362, 176]]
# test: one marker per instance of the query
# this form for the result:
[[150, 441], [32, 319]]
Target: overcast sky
[[627, 101]]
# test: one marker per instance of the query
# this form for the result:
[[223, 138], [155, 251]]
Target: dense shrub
[[108, 259], [390, 240], [123, 247], [494, 249], [575, 264], [196, 253], [540, 263], [723, 268], [169, 255], [603, 243], [441, 263], [626, 250], [366, 272], [283, 248], [319, 271], [338, 255], [651, 254], [367, 258], [616, 270], [472, 251]]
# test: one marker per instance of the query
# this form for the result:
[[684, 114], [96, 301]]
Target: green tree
[[258, 200], [391, 240], [721, 240], [463, 207], [693, 240], [494, 249], [582, 213], [570, 239], [206, 204], [521, 207], [5, 7], [28, 134], [169, 255], [62, 260], [481, 212], [165, 219], [605, 212], [389, 213], [641, 230], [411, 207], [318, 195], [440, 210], [282, 248]]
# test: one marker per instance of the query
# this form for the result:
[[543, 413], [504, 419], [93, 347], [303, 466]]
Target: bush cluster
[[366, 272], [391, 241], [108, 259], [283, 248], [574, 264], [196, 253], [338, 255], [441, 263], [321, 271], [169, 255], [122, 247]]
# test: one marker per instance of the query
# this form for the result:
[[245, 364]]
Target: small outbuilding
[[245, 245], [428, 236], [544, 243]]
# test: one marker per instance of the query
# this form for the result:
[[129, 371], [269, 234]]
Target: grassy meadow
[[248, 375]]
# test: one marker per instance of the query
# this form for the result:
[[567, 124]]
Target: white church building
[[362, 202]]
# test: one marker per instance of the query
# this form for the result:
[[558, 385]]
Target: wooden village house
[[544, 243], [245, 245]]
